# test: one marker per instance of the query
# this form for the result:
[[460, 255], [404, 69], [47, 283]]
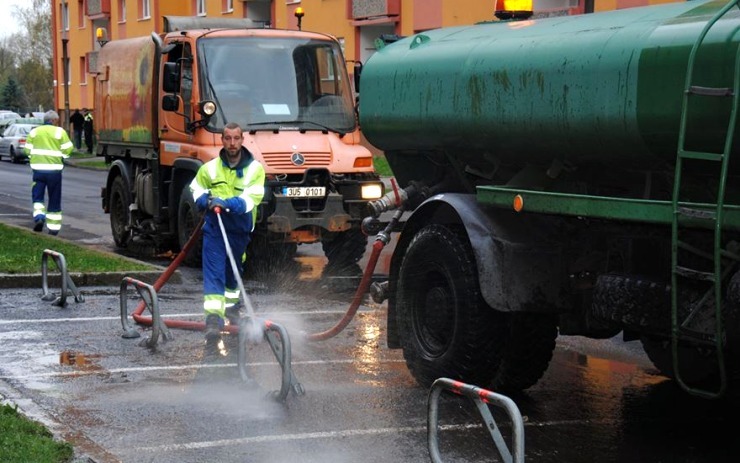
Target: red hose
[[164, 277], [361, 290], [200, 326]]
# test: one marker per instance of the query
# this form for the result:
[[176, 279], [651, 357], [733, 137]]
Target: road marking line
[[182, 315], [301, 436], [186, 367]]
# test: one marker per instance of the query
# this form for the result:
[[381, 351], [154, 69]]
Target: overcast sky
[[7, 21]]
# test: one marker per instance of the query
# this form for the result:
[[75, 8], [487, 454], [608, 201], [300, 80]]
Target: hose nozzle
[[394, 199]]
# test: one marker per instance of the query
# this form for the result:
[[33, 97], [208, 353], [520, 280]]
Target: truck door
[[176, 122]]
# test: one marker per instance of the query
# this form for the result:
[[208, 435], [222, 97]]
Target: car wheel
[[13, 158]]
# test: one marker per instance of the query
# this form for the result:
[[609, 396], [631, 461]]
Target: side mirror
[[171, 77], [170, 103]]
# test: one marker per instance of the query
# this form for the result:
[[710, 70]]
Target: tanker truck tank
[[601, 90], [563, 176]]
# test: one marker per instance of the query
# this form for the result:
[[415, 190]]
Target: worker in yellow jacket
[[47, 146], [235, 183]]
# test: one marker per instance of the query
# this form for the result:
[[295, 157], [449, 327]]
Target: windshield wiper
[[321, 127]]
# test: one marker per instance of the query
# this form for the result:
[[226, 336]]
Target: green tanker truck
[[575, 175]]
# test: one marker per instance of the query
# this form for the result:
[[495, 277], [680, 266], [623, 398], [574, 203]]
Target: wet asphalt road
[[183, 401]]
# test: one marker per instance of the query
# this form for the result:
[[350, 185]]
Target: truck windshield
[[276, 83]]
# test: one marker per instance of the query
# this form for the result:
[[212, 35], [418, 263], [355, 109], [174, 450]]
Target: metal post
[[481, 397], [151, 303], [67, 283], [65, 73]]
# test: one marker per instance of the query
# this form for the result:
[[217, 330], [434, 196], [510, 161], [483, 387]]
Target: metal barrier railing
[[277, 337], [67, 283], [158, 326], [480, 397]]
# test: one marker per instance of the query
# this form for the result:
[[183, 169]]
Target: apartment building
[[356, 23]]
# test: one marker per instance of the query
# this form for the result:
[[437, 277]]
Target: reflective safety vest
[[47, 146], [245, 182]]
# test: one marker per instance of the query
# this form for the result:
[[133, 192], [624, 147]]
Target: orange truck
[[161, 103]]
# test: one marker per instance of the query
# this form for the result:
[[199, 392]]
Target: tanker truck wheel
[[447, 329], [187, 218], [696, 367], [120, 200]]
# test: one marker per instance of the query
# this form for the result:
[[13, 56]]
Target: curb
[[35, 280]]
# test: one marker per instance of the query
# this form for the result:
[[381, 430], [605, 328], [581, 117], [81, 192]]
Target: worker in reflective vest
[[234, 182], [47, 146]]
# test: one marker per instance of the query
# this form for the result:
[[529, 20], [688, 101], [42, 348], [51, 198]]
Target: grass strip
[[382, 167], [21, 252], [24, 441]]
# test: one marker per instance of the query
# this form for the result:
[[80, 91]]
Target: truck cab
[[290, 93]]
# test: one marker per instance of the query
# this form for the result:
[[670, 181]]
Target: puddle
[[85, 362]]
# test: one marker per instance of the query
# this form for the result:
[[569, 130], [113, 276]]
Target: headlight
[[208, 108], [372, 191]]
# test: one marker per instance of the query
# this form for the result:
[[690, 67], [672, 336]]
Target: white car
[[13, 141], [9, 115]]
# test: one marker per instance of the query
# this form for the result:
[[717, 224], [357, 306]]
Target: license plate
[[304, 191]]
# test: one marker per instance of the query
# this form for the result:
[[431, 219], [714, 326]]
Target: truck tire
[[697, 368], [343, 253], [446, 328], [635, 303], [120, 200], [187, 218]]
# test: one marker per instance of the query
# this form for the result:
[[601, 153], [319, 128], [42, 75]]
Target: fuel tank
[[601, 88]]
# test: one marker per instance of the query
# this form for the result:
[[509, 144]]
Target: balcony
[[370, 9], [98, 9]]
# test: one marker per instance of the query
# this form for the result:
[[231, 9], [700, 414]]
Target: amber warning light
[[518, 203], [513, 9]]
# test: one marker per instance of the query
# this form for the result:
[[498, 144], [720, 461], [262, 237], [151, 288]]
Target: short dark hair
[[232, 126]]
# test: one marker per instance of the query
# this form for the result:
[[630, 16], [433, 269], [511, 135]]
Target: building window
[[146, 12], [65, 17], [65, 69], [228, 6], [200, 7], [80, 14], [121, 11], [83, 71]]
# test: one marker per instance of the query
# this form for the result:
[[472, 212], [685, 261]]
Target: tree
[[26, 57], [35, 24], [37, 83], [11, 96]]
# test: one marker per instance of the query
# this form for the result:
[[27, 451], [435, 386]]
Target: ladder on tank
[[681, 327]]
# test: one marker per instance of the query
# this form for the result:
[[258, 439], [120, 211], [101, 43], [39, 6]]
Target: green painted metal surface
[[599, 88], [601, 207]]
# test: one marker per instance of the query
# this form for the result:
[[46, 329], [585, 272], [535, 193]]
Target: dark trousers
[[217, 273], [48, 181], [89, 140], [78, 138]]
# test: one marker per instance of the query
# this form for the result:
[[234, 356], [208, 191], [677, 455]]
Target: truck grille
[[281, 161]]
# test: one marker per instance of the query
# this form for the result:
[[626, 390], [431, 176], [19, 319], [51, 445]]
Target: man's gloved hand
[[217, 202], [202, 202]]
